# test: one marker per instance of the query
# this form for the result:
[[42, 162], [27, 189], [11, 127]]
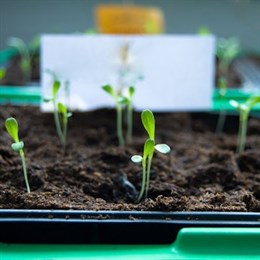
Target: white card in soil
[[170, 72]]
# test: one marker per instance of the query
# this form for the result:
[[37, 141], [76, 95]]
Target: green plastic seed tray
[[191, 243], [222, 103], [6, 55], [29, 95]]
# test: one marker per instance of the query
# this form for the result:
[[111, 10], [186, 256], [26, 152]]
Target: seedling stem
[[148, 152], [11, 126], [222, 84], [60, 113], [244, 111], [122, 101]]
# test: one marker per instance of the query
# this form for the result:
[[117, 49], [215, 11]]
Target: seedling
[[11, 126], [25, 62], [2, 73], [122, 101], [129, 113], [62, 109], [34, 45], [204, 31], [227, 51], [148, 152], [118, 100], [244, 111], [222, 85]]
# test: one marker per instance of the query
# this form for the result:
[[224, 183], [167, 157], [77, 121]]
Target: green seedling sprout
[[121, 101], [11, 126], [244, 111], [222, 85], [148, 152], [227, 50], [34, 45], [62, 109], [25, 63], [2, 73], [129, 113], [204, 31], [118, 100]]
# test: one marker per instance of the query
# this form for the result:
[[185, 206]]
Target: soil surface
[[14, 75], [202, 172]]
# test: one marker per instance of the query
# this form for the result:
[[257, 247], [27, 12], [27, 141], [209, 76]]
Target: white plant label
[[169, 73]]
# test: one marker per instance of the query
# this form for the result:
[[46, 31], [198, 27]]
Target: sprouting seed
[[148, 152], [11, 126], [61, 121], [121, 102], [244, 111]]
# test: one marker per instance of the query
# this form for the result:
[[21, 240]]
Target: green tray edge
[[191, 243], [6, 55]]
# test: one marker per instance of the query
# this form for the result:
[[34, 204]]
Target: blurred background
[[28, 18]]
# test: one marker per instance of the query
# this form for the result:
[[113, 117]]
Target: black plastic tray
[[110, 227]]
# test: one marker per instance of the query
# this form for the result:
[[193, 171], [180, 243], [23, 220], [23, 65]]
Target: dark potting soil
[[14, 75], [201, 173]]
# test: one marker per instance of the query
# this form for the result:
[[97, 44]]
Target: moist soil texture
[[201, 173], [14, 75]]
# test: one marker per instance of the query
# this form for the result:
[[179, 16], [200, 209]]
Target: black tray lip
[[104, 216]]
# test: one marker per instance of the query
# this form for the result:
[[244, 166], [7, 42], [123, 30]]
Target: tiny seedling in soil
[[121, 101], [25, 62], [63, 110], [2, 73], [222, 85], [227, 51], [148, 152], [128, 101], [61, 123], [244, 111], [11, 126]]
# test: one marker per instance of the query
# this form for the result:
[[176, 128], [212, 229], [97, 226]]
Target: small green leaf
[[17, 146], [253, 101], [137, 158], [11, 126], [131, 91], [62, 108], [148, 122], [52, 74], [162, 148], [148, 147], [109, 90], [18, 44], [69, 114], [2, 73], [123, 100], [234, 104], [55, 87], [25, 65], [203, 30]]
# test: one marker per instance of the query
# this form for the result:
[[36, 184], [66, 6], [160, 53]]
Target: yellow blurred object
[[129, 19]]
